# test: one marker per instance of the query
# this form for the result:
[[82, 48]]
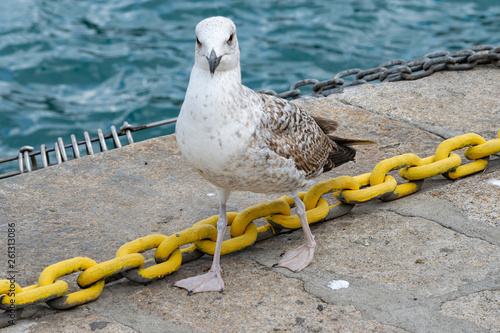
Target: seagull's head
[[217, 45]]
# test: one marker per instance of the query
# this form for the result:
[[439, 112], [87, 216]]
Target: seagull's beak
[[213, 62]]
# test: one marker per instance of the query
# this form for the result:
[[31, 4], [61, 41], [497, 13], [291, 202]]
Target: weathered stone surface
[[256, 299], [481, 308], [477, 197], [426, 263], [446, 103], [80, 320]]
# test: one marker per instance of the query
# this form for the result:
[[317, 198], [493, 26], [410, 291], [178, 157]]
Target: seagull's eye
[[230, 40], [198, 42]]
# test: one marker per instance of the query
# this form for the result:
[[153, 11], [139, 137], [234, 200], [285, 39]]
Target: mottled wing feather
[[293, 134]]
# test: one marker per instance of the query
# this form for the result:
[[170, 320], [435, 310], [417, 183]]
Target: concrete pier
[[429, 262]]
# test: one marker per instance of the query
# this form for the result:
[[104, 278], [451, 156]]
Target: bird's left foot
[[211, 281], [298, 259]]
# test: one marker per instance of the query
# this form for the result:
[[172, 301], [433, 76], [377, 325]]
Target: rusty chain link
[[398, 70], [170, 252]]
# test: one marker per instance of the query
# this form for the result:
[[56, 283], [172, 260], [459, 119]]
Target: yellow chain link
[[66, 267], [461, 141], [431, 167], [168, 255], [158, 271], [34, 295], [188, 236], [109, 268], [239, 242], [6, 287], [396, 163], [370, 193]]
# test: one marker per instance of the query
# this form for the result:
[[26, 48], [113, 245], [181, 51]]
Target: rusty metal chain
[[170, 251], [398, 70]]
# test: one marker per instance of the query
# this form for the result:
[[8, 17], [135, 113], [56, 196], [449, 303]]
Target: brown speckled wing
[[293, 134]]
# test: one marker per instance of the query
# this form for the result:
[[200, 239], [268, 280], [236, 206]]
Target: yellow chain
[[168, 255], [431, 167], [64, 268], [470, 139], [145, 275]]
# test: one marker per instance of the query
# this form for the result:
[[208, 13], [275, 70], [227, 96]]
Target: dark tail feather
[[349, 142], [328, 126], [344, 152], [339, 156], [348, 154]]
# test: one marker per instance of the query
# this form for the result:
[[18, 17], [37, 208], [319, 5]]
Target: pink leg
[[211, 281], [298, 259]]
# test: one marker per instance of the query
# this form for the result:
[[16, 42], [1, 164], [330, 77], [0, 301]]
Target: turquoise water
[[70, 66]]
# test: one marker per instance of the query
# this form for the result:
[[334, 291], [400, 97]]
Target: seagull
[[242, 140]]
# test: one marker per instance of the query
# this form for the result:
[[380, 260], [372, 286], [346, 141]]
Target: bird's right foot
[[298, 259], [211, 281]]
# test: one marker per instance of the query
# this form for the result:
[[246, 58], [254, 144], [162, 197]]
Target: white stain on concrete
[[495, 182], [337, 284]]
